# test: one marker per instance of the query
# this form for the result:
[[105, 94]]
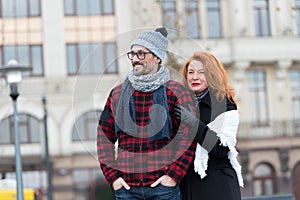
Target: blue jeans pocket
[[121, 193], [168, 192]]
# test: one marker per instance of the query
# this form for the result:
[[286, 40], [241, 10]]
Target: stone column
[[239, 71], [244, 157], [285, 178], [238, 18], [54, 48], [281, 72], [284, 18]]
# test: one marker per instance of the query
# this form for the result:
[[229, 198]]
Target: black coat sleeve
[[208, 139]]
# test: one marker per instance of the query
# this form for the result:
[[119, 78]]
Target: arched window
[[296, 181], [29, 129], [85, 127], [261, 17], [264, 180]]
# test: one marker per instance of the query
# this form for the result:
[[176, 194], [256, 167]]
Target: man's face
[[143, 61]]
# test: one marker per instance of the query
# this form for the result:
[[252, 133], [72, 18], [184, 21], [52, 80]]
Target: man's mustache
[[137, 63]]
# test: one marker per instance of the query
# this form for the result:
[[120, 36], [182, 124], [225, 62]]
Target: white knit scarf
[[225, 125]]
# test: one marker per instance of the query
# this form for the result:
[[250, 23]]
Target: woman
[[215, 173]]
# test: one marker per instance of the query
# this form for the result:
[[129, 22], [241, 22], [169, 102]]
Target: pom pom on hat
[[163, 31], [156, 41]]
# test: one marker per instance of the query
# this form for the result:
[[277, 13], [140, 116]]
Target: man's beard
[[141, 70]]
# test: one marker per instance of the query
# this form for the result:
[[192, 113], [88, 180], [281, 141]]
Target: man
[[153, 150]]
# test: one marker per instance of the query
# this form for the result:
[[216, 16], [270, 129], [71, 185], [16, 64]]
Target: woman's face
[[195, 76]]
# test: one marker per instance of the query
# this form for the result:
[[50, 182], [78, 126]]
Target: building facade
[[78, 53]]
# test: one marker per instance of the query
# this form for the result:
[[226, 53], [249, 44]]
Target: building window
[[295, 88], [85, 126], [20, 8], [296, 180], [170, 17], [89, 7], [297, 8], [29, 129], [191, 19], [31, 179], [261, 17], [264, 180], [258, 98], [30, 55], [213, 18], [90, 184], [92, 58]]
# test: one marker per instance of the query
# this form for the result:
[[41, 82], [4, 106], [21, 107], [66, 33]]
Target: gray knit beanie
[[156, 41]]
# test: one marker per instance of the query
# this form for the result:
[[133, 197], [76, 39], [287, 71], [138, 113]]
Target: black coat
[[221, 182]]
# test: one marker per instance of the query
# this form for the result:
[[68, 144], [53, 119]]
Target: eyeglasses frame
[[137, 54]]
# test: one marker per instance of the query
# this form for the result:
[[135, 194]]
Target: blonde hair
[[215, 75]]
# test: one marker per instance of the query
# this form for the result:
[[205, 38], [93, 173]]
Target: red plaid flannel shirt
[[139, 161]]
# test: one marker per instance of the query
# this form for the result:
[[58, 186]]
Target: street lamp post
[[47, 156], [13, 77]]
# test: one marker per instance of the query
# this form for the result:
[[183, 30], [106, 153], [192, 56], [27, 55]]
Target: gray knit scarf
[[149, 82], [160, 124]]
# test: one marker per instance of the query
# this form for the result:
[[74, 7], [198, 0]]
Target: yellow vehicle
[[11, 194]]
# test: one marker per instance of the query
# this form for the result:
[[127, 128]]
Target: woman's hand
[[186, 116]]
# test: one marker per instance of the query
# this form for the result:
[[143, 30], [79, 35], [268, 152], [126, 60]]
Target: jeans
[[159, 192]]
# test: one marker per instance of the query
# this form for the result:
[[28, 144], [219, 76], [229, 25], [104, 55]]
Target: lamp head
[[13, 71]]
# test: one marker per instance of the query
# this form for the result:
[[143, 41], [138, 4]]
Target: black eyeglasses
[[140, 54]]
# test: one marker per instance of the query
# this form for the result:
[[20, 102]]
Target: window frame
[[89, 187], [169, 17], [264, 179], [261, 19], [195, 13], [255, 91], [86, 120], [28, 10], [295, 98], [214, 10], [80, 59], [89, 12], [297, 15], [27, 124], [29, 57]]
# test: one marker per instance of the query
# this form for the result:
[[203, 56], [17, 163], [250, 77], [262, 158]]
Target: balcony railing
[[272, 129], [272, 197]]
